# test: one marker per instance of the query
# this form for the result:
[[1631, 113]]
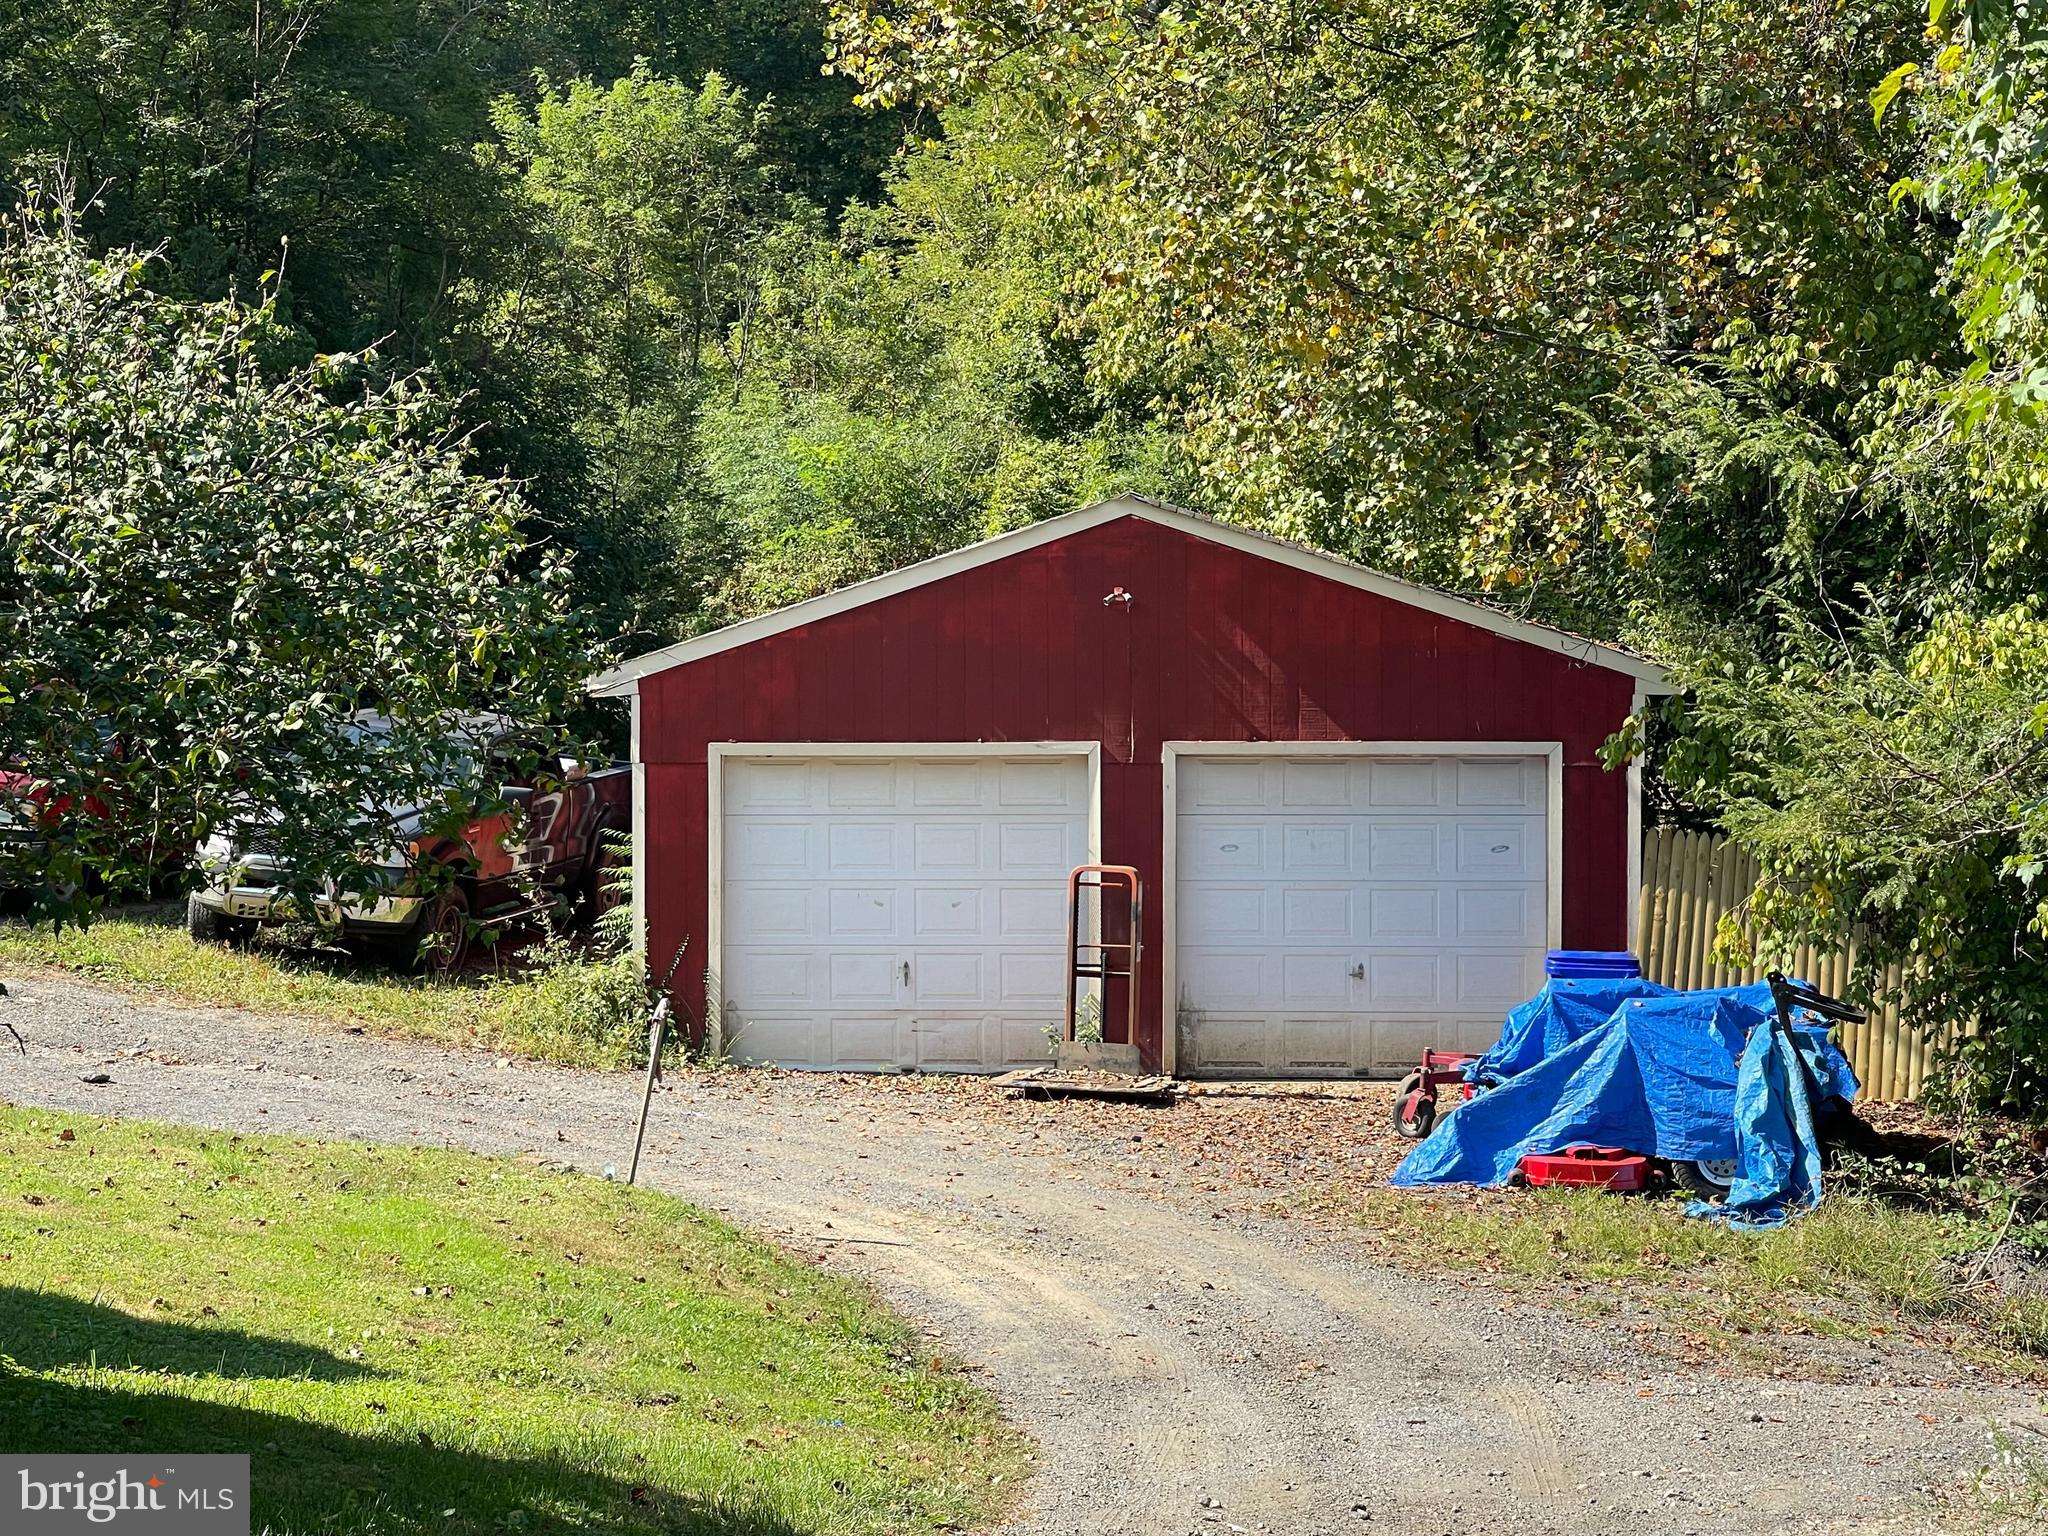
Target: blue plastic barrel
[[1591, 964]]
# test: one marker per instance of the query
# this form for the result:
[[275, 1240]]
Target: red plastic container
[[1607, 1168]]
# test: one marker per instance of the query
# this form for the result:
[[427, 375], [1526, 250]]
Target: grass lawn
[[1857, 1268], [571, 1014], [410, 1340]]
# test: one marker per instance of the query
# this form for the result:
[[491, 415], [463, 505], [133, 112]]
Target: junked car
[[553, 842], [38, 818]]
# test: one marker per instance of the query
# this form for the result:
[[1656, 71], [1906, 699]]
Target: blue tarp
[[1656, 1073], [1551, 1020], [1566, 1009], [1777, 1148]]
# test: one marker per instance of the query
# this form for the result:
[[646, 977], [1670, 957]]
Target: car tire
[[209, 925], [444, 941], [1710, 1179]]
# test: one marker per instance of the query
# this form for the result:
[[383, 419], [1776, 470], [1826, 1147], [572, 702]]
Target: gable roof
[[625, 677]]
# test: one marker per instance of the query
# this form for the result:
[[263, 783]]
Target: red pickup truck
[[557, 845]]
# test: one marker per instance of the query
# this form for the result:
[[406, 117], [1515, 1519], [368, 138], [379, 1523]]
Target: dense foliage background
[[1710, 328]]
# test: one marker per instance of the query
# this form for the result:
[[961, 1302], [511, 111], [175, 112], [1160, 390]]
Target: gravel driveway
[[1187, 1363]]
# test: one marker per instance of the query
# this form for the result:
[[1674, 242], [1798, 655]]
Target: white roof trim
[[625, 677]]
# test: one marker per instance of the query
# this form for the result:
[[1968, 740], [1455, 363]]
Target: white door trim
[[718, 753], [1633, 894], [1552, 752], [639, 849]]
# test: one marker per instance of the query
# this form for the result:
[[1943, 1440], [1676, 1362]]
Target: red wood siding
[[1218, 645]]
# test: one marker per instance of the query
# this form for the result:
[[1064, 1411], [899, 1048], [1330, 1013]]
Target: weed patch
[[558, 1005]]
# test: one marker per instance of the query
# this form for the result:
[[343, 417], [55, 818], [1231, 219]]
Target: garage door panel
[[943, 977], [1401, 914], [773, 912], [948, 912], [1224, 914], [856, 787], [1031, 979], [947, 848], [1225, 979], [1315, 914], [949, 1044], [1339, 915], [1312, 850], [1315, 980], [1400, 850], [1032, 913], [1229, 1042], [772, 787], [1224, 848], [859, 914], [1497, 914], [856, 848], [951, 786], [1050, 848], [1314, 786], [1023, 1040], [978, 1042], [1404, 980], [768, 1037], [1493, 980], [1476, 1033], [771, 978], [1504, 783], [1396, 1044], [1035, 786], [1501, 849], [859, 1043], [858, 980], [1402, 783], [1318, 1044], [769, 848], [1226, 787]]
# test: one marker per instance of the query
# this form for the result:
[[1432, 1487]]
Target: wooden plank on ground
[[1051, 1083]]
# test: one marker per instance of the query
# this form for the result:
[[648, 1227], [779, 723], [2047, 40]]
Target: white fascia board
[[625, 677]]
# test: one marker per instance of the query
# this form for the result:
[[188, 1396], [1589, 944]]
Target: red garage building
[[1362, 809]]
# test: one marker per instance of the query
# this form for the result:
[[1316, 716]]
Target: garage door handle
[[906, 973], [1358, 971]]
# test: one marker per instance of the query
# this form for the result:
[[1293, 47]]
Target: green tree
[[207, 568], [1893, 775], [915, 382], [1895, 792], [1479, 292], [226, 129], [649, 209]]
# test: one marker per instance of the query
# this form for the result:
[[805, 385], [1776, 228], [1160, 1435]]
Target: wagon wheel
[[1414, 1112]]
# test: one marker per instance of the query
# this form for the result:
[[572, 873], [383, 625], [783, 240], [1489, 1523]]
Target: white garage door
[[882, 914], [1336, 915]]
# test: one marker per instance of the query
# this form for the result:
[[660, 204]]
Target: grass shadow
[[311, 1478], [46, 1331]]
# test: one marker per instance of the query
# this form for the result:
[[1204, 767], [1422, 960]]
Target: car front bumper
[[267, 904]]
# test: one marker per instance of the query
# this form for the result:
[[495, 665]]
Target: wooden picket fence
[[1690, 879]]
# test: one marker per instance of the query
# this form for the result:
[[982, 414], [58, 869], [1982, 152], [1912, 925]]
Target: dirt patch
[[1188, 1358], [1242, 1146]]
